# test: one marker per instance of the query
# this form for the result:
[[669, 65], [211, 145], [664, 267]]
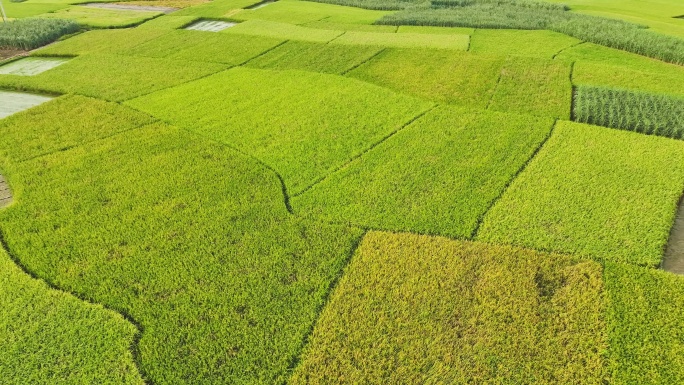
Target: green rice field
[[342, 192]]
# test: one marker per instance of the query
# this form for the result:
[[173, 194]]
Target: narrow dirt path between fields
[[5, 192], [674, 254]]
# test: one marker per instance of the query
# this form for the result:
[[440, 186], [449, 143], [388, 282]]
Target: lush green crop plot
[[439, 75], [544, 44], [68, 341], [32, 33], [645, 325], [434, 30], [405, 40], [588, 52], [594, 191], [185, 46], [598, 74], [216, 8], [22, 10], [113, 77], [102, 18], [634, 111], [534, 86], [316, 57], [437, 176], [304, 125], [283, 31], [351, 27], [301, 12], [101, 41], [189, 238], [169, 22], [421, 310], [66, 122]]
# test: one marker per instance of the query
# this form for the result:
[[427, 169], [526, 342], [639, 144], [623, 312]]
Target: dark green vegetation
[[596, 192], [629, 110], [415, 181], [33, 33], [644, 321], [416, 310], [51, 337], [533, 15], [318, 125], [223, 281]]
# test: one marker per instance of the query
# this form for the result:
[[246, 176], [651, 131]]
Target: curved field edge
[[51, 336]]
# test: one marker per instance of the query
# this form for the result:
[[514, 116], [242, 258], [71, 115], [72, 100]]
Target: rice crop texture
[[315, 57], [304, 125], [589, 53], [510, 15], [64, 123], [534, 86], [651, 114], [51, 337], [351, 27], [644, 78], [189, 239], [169, 22], [107, 41], [283, 31], [187, 46], [593, 191], [437, 176], [645, 325], [543, 44], [405, 40], [30, 9], [113, 77], [414, 309], [28, 34], [101, 17], [216, 8], [439, 75], [301, 12]]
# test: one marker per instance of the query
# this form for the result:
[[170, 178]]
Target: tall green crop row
[[630, 110], [504, 14], [32, 33]]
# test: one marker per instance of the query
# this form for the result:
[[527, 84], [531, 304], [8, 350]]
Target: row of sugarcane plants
[[647, 113], [32, 33]]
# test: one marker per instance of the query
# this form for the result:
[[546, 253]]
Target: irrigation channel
[[5, 193], [674, 254]]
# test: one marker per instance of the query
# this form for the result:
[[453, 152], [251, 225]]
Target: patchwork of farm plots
[[287, 193]]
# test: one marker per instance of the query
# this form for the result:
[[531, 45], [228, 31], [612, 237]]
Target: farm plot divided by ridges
[[304, 125], [113, 77], [593, 191], [302, 12], [543, 44], [108, 41], [415, 309], [437, 176], [666, 81], [102, 18], [283, 31], [189, 239], [31, 66], [13, 102], [70, 341]]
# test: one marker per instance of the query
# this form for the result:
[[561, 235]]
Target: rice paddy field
[[342, 192]]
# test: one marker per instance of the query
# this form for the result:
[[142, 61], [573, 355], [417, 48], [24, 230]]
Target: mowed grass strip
[[106, 41], [113, 77], [63, 123], [190, 239], [304, 125], [643, 112], [645, 325], [594, 191], [437, 176], [540, 43], [441, 75], [283, 31], [51, 337], [534, 86], [415, 309], [405, 40], [205, 47], [302, 12], [315, 57]]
